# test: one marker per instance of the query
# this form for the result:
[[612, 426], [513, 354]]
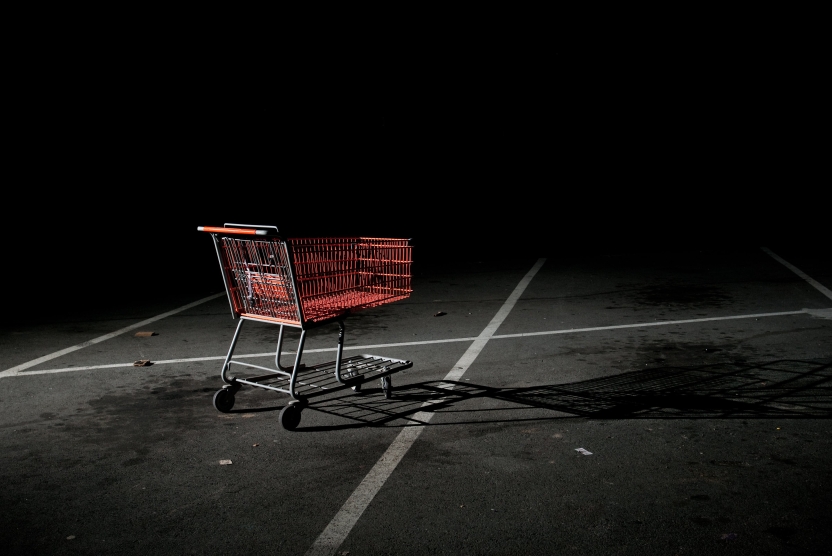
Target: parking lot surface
[[673, 402]]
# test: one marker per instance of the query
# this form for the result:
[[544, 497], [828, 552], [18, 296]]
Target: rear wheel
[[224, 400], [290, 416]]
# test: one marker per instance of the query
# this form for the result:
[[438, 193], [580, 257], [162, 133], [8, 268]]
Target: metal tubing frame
[[278, 352], [227, 364], [293, 372], [297, 366], [253, 366], [293, 376], [290, 263], [266, 386], [340, 351], [224, 279]]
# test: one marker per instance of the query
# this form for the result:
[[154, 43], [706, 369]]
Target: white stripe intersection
[[330, 540]]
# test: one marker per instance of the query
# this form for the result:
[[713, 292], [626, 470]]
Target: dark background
[[523, 148]]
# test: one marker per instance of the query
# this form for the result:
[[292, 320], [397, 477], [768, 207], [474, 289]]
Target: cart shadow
[[265, 409], [371, 396], [784, 389]]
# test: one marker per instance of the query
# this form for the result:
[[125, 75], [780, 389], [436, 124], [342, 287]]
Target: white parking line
[[823, 313], [331, 538], [23, 366], [654, 323], [817, 285]]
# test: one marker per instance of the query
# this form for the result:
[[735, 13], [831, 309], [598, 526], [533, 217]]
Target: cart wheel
[[387, 386], [357, 388], [290, 416], [224, 400]]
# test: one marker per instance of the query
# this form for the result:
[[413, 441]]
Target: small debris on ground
[[728, 536], [142, 363], [584, 452], [255, 445], [225, 462], [440, 314], [146, 334], [69, 538]]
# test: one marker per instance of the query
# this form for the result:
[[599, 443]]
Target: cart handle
[[240, 231], [231, 225]]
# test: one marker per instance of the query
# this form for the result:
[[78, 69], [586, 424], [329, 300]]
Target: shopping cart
[[304, 283]]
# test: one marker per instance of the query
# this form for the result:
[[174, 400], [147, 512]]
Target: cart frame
[[274, 297]]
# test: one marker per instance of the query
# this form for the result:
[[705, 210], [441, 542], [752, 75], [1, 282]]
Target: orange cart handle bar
[[239, 229]]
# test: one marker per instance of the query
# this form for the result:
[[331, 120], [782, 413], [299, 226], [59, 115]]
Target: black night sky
[[531, 151]]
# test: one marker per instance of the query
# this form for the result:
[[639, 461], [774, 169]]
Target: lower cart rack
[[315, 380]]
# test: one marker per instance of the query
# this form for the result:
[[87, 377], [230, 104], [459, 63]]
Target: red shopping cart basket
[[304, 283]]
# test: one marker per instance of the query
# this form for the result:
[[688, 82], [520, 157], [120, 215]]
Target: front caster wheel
[[224, 400], [290, 416], [387, 386]]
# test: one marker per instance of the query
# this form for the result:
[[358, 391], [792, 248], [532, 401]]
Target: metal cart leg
[[297, 367], [226, 365], [279, 351], [339, 356], [224, 398], [290, 415], [340, 351]]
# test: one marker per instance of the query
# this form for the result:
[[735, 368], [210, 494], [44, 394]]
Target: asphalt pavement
[[629, 402]]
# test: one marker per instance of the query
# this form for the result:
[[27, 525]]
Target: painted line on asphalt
[[817, 285], [655, 323], [331, 538], [236, 356], [23, 366], [823, 313]]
